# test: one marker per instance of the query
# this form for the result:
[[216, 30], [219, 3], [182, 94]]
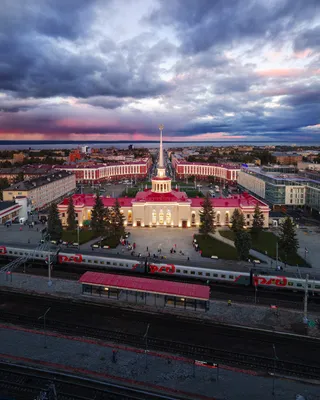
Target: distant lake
[[37, 145]]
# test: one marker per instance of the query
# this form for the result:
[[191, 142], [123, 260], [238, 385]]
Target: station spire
[[161, 167]]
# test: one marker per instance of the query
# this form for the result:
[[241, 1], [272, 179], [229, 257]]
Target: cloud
[[309, 39], [104, 102]]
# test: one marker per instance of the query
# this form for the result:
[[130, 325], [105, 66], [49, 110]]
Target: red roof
[[88, 200], [146, 285], [244, 200], [147, 196]]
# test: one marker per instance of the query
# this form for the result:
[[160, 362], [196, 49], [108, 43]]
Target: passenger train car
[[180, 271]]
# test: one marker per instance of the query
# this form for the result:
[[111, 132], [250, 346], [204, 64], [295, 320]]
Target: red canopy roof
[[146, 285]]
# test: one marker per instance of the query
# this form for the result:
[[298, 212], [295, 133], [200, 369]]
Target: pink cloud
[[283, 72]]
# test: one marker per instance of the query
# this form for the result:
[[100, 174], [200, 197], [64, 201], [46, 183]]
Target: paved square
[[152, 239]]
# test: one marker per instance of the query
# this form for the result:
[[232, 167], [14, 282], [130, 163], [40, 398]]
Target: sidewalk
[[156, 371]]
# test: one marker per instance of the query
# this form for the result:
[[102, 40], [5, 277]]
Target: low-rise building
[[95, 173], [42, 191], [287, 158]]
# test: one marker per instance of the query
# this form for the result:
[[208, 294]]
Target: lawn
[[213, 247], [266, 242], [72, 236], [111, 241], [193, 193]]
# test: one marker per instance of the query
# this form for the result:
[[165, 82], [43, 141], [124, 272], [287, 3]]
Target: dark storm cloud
[[202, 24], [104, 102], [309, 39], [34, 63], [306, 98]]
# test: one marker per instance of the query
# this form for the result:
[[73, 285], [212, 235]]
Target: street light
[[78, 230], [274, 370], [44, 326], [146, 350]]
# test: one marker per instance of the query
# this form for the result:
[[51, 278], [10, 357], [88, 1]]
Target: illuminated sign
[[76, 258], [168, 269], [3, 250], [277, 281]]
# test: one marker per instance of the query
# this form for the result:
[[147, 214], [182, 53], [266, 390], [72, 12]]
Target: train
[[147, 267]]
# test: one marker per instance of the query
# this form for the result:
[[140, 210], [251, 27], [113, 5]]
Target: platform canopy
[[169, 288]]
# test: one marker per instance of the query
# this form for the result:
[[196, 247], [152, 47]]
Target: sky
[[116, 69]]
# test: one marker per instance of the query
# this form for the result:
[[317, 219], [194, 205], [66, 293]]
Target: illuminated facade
[[163, 206]]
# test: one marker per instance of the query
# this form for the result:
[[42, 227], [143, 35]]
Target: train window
[[95, 261], [121, 264], [207, 274], [89, 261], [192, 272], [317, 287], [114, 263], [15, 252], [215, 275], [178, 270], [127, 265], [231, 277], [21, 254], [309, 286], [10, 252], [102, 262], [37, 255], [185, 271], [299, 284], [108, 263], [200, 273], [290, 283], [223, 276]]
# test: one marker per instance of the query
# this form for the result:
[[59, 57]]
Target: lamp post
[[274, 370], [44, 326], [146, 350], [49, 263], [78, 231]]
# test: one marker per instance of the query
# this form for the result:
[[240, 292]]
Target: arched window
[[161, 217], [227, 217], [154, 217], [218, 218], [168, 218], [193, 218]]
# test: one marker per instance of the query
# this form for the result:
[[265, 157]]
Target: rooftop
[[38, 182], [148, 196], [242, 200], [88, 200], [6, 204], [138, 284]]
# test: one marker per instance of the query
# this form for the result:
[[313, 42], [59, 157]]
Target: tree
[[243, 244], [19, 177], [71, 220], [54, 223], [237, 221], [117, 220], [288, 241], [4, 183], [207, 217], [98, 217], [258, 220]]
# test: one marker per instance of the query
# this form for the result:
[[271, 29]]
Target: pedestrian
[[188, 259], [147, 248], [175, 246], [20, 228], [229, 302]]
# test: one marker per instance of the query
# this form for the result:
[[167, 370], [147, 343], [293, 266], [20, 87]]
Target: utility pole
[[305, 308], [49, 266], [277, 254], [44, 326], [146, 350]]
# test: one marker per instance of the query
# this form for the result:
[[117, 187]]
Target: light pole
[[78, 231], [49, 264], [274, 370], [146, 350], [44, 326]]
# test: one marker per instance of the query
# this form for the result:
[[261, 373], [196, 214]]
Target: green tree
[[117, 219], [71, 220], [4, 183], [243, 244], [54, 223], [237, 221], [98, 217], [207, 217], [19, 177], [258, 220], [288, 241]]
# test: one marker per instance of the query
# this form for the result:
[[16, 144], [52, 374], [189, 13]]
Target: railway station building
[[145, 291], [164, 206]]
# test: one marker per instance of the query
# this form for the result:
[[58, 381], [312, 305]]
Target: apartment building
[[287, 158], [184, 169], [42, 191], [281, 189], [95, 173]]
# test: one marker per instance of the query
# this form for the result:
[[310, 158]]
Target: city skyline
[[113, 70]]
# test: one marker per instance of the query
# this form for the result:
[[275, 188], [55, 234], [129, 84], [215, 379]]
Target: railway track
[[218, 291], [29, 382], [195, 352]]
